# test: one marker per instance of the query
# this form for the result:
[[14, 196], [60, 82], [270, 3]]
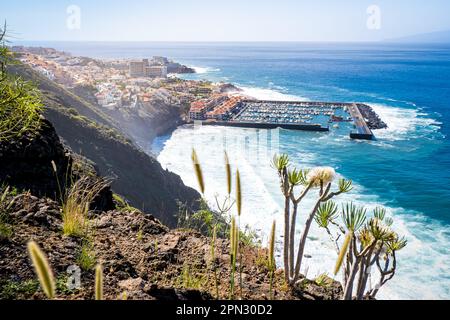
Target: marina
[[296, 115]]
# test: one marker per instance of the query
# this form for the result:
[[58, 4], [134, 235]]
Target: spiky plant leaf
[[42, 269], [323, 280], [345, 186], [365, 237], [354, 218], [298, 177], [380, 231], [397, 244], [379, 213], [326, 213], [198, 171], [389, 222], [294, 177], [304, 177], [280, 162]]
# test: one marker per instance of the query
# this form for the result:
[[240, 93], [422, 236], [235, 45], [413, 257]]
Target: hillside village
[[127, 84]]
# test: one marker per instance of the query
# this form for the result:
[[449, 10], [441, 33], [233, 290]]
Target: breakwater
[[371, 117]]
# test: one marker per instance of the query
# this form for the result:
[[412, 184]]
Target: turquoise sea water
[[407, 169]]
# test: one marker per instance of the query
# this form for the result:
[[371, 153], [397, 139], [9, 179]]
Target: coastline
[[407, 124], [403, 124]]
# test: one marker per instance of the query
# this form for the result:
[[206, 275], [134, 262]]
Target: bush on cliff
[[20, 104]]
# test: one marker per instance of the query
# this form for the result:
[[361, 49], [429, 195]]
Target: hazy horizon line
[[385, 41], [389, 40]]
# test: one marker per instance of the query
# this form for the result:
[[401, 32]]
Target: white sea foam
[[423, 267], [403, 123], [204, 70], [270, 94]]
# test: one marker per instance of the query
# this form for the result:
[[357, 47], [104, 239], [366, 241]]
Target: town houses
[[120, 84], [217, 107]]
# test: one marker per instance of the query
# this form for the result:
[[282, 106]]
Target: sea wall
[[373, 120]]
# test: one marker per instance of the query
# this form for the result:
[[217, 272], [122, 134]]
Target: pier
[[362, 129], [293, 115]]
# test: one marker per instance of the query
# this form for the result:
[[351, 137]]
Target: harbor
[[293, 115]]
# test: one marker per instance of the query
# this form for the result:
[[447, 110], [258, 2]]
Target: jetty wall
[[260, 125]]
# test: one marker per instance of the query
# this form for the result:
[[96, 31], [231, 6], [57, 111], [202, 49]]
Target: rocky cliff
[[152, 119], [26, 162], [89, 132], [143, 123]]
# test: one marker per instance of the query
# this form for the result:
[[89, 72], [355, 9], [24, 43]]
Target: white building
[[156, 71], [136, 69]]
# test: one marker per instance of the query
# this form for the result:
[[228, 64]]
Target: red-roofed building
[[218, 107], [223, 111], [198, 110]]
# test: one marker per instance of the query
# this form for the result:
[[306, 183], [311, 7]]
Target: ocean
[[406, 170]]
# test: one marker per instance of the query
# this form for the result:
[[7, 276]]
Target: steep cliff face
[[149, 121], [145, 121], [136, 176], [26, 162], [29, 163], [91, 133]]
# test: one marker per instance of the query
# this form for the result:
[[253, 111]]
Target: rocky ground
[[142, 259]]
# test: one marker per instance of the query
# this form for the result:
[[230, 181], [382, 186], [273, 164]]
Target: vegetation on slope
[[54, 94], [19, 102]]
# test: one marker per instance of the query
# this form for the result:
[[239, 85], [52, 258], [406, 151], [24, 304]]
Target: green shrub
[[191, 278], [6, 231], [14, 290], [323, 280], [249, 238], [122, 204], [76, 204], [86, 258], [20, 103], [62, 287]]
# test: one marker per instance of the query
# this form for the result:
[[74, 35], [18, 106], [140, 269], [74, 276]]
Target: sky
[[230, 20]]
